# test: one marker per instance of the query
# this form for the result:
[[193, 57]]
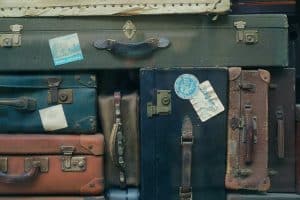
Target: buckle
[[187, 139], [186, 195]]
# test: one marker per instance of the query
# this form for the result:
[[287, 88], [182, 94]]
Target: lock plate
[[73, 164], [163, 104], [42, 162], [65, 96], [3, 164], [12, 39], [243, 35]]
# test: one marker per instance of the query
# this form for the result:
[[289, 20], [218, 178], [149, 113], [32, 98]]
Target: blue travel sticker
[[65, 49], [186, 86]]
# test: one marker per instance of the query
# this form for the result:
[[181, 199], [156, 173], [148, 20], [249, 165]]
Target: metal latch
[[56, 95], [42, 162], [3, 164], [245, 36], [163, 104], [11, 39], [72, 163]]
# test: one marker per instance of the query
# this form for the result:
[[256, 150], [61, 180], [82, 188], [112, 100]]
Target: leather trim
[[264, 75], [92, 145], [234, 73], [94, 187]]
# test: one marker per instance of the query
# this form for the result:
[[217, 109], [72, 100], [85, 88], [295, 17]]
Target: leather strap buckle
[[187, 139], [185, 195]]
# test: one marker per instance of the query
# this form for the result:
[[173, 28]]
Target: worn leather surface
[[185, 33], [55, 181], [270, 196], [282, 99], [127, 194], [246, 104], [130, 123], [80, 114], [161, 150]]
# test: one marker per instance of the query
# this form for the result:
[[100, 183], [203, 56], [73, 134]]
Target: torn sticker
[[206, 102], [53, 118], [186, 86], [65, 49]]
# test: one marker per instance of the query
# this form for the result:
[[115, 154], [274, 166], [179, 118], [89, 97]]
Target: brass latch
[[56, 95], [72, 163], [163, 104], [29, 163], [11, 39], [3, 164], [245, 36]]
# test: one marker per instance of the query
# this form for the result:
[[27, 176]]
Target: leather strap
[[187, 140], [119, 140]]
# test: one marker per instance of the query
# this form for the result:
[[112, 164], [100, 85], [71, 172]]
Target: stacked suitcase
[[148, 106]]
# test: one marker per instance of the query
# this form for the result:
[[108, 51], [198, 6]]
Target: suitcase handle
[[21, 103], [132, 50], [23, 178], [251, 134], [280, 134]]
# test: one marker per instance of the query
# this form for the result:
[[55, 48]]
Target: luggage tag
[[202, 96], [53, 118], [65, 49]]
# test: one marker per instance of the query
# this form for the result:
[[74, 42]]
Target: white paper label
[[206, 102], [53, 118]]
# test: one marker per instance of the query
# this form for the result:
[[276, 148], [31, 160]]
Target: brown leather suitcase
[[119, 119], [298, 148], [53, 198], [247, 151], [282, 130], [51, 164]]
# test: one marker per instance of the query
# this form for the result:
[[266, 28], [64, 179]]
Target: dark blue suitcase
[[126, 194], [172, 168], [44, 103]]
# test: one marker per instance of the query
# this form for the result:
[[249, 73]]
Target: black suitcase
[[181, 156]]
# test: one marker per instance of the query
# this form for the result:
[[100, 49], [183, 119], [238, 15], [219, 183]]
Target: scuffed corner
[[94, 187]]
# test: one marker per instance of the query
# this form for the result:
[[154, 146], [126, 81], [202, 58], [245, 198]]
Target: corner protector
[[234, 73]]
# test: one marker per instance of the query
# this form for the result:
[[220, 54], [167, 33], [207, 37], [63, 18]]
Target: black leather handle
[[21, 103], [19, 179], [132, 50], [280, 133]]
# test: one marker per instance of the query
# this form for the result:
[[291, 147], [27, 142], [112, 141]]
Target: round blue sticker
[[186, 86]]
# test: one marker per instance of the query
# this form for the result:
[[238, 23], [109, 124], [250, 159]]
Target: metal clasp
[[72, 163], [163, 104], [11, 39], [186, 195], [56, 95], [245, 36]]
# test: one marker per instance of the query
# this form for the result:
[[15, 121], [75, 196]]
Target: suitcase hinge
[[72, 163], [163, 104], [245, 36], [11, 39], [56, 95]]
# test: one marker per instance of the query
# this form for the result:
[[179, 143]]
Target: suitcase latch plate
[[72, 163], [3, 164], [243, 35], [163, 104], [56, 95], [42, 162], [12, 39]]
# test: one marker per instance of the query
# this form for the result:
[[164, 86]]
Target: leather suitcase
[[247, 146], [264, 6], [40, 8], [52, 198], [181, 156], [270, 196], [47, 103], [143, 41], [51, 164], [298, 148], [282, 130], [120, 120], [128, 194]]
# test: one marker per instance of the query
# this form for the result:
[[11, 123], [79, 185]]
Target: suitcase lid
[[45, 81], [19, 8], [42, 144]]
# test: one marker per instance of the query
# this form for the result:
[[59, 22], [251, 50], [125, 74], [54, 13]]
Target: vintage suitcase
[[142, 41], [282, 130], [247, 146], [298, 148], [51, 164], [17, 8], [44, 103], [51, 198], [270, 196], [119, 118], [181, 156], [264, 6], [127, 194]]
